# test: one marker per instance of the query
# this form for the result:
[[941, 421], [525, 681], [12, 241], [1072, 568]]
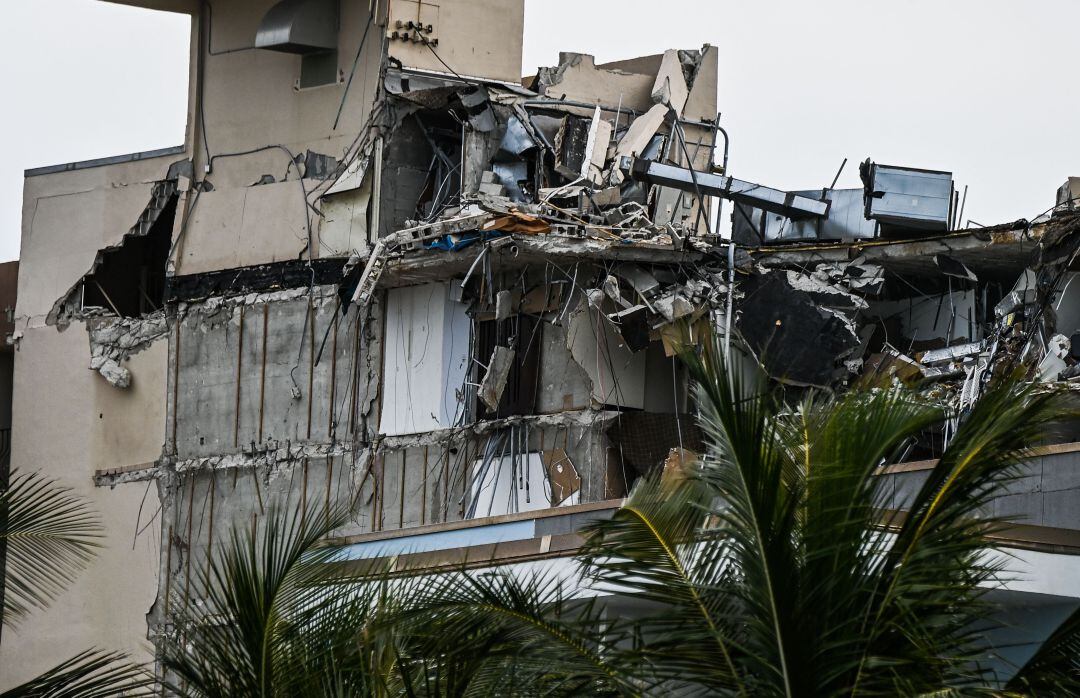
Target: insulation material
[[426, 350], [517, 222], [680, 460]]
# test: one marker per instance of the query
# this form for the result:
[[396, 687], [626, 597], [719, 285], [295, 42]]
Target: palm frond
[[90, 674], [50, 535], [653, 550], [932, 581], [1054, 669], [483, 633], [264, 619]]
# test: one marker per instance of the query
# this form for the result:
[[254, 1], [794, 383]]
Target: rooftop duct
[[906, 197], [299, 26]]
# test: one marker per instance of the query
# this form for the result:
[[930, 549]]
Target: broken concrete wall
[[439, 477], [114, 340], [407, 157], [252, 387], [578, 78], [100, 203], [271, 146], [264, 370], [244, 226], [204, 500], [68, 422]]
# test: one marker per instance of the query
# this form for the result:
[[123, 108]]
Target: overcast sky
[[982, 88]]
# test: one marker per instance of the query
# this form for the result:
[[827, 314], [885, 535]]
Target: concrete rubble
[[567, 244], [113, 341]]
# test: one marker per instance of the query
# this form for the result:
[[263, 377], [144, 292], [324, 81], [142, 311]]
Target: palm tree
[[779, 567], [272, 622], [280, 614], [47, 537]]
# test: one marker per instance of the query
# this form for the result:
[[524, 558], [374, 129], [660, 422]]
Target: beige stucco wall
[[67, 423], [250, 102], [68, 217], [478, 38]]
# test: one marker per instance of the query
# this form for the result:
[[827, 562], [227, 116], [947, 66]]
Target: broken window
[[509, 478], [129, 280]]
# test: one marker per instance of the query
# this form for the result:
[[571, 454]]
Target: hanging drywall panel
[[426, 358]]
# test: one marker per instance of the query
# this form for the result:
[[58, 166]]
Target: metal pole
[[730, 302]]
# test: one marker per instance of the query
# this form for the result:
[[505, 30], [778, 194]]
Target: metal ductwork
[[299, 26]]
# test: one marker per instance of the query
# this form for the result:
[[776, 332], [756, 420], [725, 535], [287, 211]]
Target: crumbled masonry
[[112, 341]]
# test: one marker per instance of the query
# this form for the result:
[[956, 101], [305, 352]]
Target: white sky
[[982, 88]]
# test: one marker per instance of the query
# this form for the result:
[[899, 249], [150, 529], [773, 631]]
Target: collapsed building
[[385, 270]]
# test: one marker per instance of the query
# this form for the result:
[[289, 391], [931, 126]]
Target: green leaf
[[50, 536]]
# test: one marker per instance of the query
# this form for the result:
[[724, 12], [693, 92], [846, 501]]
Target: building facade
[[386, 270]]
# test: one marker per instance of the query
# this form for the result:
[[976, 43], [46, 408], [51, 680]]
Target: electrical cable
[[445, 64], [356, 60]]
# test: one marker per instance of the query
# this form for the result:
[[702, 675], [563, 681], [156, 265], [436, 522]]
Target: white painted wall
[[426, 353]]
